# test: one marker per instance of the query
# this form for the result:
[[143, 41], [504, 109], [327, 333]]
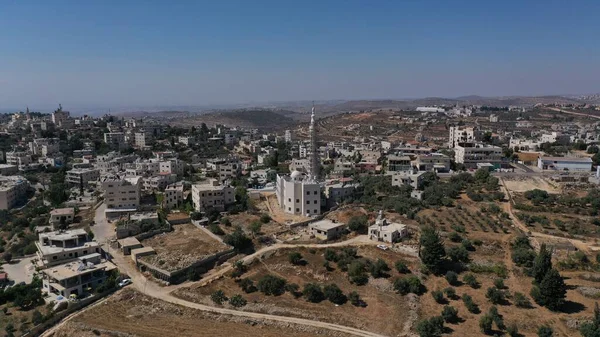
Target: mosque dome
[[296, 175]]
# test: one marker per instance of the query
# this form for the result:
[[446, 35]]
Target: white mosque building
[[300, 193]]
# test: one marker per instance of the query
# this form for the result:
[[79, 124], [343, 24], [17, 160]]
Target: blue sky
[[144, 53]]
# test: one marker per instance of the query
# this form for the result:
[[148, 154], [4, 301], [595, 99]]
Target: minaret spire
[[314, 155]]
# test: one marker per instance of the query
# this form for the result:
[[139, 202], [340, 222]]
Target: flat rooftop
[[64, 235], [326, 224], [71, 269], [46, 250], [568, 159], [128, 242], [62, 211]]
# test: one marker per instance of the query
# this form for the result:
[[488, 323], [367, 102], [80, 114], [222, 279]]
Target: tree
[[432, 250], [450, 293], [293, 288], [218, 297], [469, 304], [521, 300], [313, 293], [495, 295], [552, 290], [255, 227], [358, 224], [7, 257], [458, 254], [410, 284], [354, 299], [247, 285], [237, 301], [499, 283], [379, 269], [265, 218], [592, 329], [541, 264], [295, 258], [545, 331], [513, 330], [271, 285], [485, 324], [433, 327], [452, 278], [438, 296], [238, 240], [37, 317], [334, 294], [402, 268], [471, 280], [450, 314]]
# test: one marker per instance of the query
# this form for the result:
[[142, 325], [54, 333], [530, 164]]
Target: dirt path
[[140, 282]]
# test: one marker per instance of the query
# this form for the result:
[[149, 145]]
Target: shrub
[[295, 258], [334, 294], [450, 314], [545, 331], [433, 327], [452, 278], [331, 255], [458, 254], [471, 280], [37, 317], [521, 300], [495, 295], [379, 269], [358, 224], [455, 237], [410, 284], [466, 243], [485, 324], [237, 301], [499, 283], [218, 297], [265, 218], [313, 293], [247, 285], [293, 288], [469, 304], [513, 330], [402, 268], [450, 292], [438, 296], [354, 298], [271, 285], [433, 253]]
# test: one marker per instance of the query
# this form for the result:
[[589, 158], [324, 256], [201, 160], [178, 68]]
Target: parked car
[[383, 247], [125, 282]]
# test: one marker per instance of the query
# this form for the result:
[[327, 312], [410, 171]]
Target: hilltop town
[[445, 219]]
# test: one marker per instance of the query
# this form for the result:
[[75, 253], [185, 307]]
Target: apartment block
[[82, 177], [65, 245], [212, 195], [13, 190], [121, 193]]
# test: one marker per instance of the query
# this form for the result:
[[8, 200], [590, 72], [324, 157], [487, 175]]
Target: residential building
[[121, 193], [471, 154], [82, 177], [173, 196], [288, 136], [20, 159], [437, 162], [44, 146], [187, 140], [13, 191], [143, 140], [399, 163], [411, 178], [75, 278], [61, 216], [336, 191], [463, 135], [116, 140], [326, 229], [384, 231], [212, 195], [565, 164], [63, 246], [8, 170]]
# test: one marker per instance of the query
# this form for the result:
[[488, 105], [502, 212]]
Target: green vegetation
[[334, 294], [469, 304], [551, 292], [433, 253], [402, 268], [312, 293], [358, 224], [218, 297], [545, 331], [450, 314], [591, 329], [433, 327], [237, 301], [409, 284], [271, 285], [295, 258]]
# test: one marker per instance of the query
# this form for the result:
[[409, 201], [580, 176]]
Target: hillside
[[251, 118]]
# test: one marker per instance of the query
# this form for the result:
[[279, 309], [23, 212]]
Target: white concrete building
[[398, 163], [298, 194], [142, 139], [64, 245], [75, 278], [212, 195], [13, 190], [288, 136], [411, 178], [385, 231], [44, 146], [20, 159], [459, 135], [187, 140], [565, 164], [173, 196], [82, 177], [478, 153], [326, 229], [121, 193], [116, 140], [437, 162], [62, 215]]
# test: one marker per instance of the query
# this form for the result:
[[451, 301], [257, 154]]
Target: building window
[[297, 200], [315, 192], [307, 192], [315, 202], [315, 211], [289, 199], [297, 209]]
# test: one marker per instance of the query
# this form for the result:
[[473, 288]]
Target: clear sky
[[110, 53]]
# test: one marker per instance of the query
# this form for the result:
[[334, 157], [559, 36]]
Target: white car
[[125, 282], [383, 247]]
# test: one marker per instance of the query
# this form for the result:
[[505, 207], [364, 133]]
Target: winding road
[[164, 293]]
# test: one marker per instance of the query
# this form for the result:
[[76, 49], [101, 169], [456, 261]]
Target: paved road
[[103, 230]]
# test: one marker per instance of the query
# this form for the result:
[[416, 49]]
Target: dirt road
[[141, 283]]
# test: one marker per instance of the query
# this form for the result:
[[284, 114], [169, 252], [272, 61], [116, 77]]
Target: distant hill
[[248, 118]]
